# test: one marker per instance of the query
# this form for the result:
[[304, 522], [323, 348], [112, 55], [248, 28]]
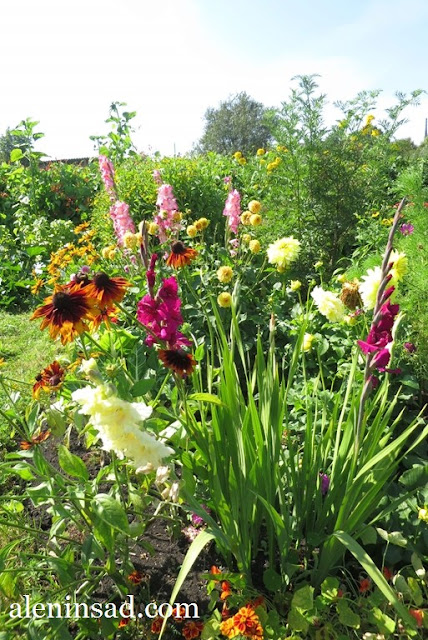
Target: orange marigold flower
[[180, 255], [178, 360], [49, 379], [225, 590], [107, 290], [64, 313], [192, 629], [179, 615], [156, 625], [43, 435], [227, 628], [365, 585], [247, 623], [135, 577]]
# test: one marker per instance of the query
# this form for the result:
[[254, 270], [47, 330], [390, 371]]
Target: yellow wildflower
[[295, 285], [242, 161], [224, 299], [254, 246], [255, 220], [260, 152], [423, 514], [245, 217], [254, 206], [225, 274], [246, 238], [191, 231], [237, 155]]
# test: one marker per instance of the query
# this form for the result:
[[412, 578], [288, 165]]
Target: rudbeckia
[[180, 255], [107, 290], [65, 313], [25, 445], [49, 379], [178, 360]]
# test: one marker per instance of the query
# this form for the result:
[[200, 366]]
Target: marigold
[[224, 299], [180, 255], [192, 629], [365, 585], [225, 274], [65, 313]]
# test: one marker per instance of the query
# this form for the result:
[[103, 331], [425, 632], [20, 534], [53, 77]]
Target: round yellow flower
[[295, 285], [262, 161], [204, 222], [246, 238], [153, 228], [225, 274], [105, 252], [375, 133], [271, 166], [237, 155], [260, 152], [255, 220], [242, 161], [129, 240], [139, 238], [191, 231], [423, 514], [112, 254], [399, 267], [197, 225], [254, 246], [308, 339], [254, 206], [224, 299], [245, 217], [283, 252], [177, 216]]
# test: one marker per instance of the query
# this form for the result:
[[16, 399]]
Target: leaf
[[71, 464], [384, 623], [206, 397], [329, 588], [347, 616], [368, 536], [395, 537], [296, 621], [15, 155], [35, 251], [272, 580], [199, 353], [143, 386], [108, 510], [415, 477], [303, 598]]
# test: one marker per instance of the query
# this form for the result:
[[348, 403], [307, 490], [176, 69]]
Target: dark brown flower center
[[62, 301], [101, 280], [54, 380], [178, 248]]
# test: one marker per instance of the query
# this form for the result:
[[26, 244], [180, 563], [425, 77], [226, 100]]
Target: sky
[[63, 62]]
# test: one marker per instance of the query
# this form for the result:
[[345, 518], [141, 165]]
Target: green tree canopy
[[238, 124]]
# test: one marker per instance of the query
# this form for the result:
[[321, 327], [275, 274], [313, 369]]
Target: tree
[[238, 124]]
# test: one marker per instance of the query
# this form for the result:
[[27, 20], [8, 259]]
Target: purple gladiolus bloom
[[406, 229], [325, 483]]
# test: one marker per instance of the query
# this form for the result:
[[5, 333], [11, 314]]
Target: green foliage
[[117, 144], [238, 124]]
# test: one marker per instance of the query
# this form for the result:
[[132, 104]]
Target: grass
[[25, 350]]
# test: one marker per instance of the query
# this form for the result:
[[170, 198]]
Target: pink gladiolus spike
[[232, 210], [107, 175]]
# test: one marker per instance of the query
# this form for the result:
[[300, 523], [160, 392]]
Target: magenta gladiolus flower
[[406, 229], [232, 210]]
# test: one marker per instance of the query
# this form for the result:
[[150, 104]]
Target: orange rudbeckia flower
[[180, 255], [107, 290], [49, 379], [65, 313], [43, 435], [178, 360]]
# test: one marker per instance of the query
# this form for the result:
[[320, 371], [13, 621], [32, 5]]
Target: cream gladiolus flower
[[283, 252], [329, 305]]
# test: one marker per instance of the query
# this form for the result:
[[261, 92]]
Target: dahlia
[[283, 252], [328, 304]]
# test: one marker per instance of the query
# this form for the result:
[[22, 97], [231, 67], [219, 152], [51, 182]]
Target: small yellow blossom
[[318, 264], [245, 217], [260, 152], [308, 339], [376, 214], [112, 254], [129, 240], [237, 155], [139, 238], [225, 274], [246, 238], [387, 222], [350, 319], [242, 161], [375, 133], [262, 161], [153, 228], [224, 299], [295, 285], [191, 231], [255, 220], [254, 246], [271, 166], [204, 222], [254, 206], [423, 514], [177, 216]]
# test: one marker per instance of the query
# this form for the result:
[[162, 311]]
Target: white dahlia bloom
[[370, 286], [283, 252], [329, 305]]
